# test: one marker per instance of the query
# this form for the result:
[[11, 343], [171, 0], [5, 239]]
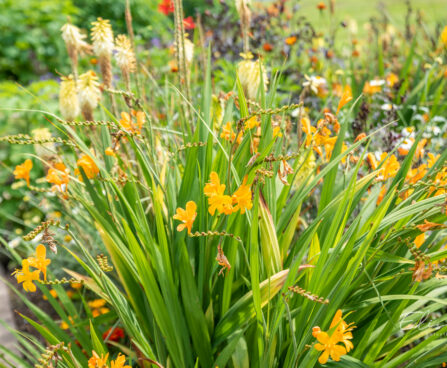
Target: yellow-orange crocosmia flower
[[308, 129], [119, 362], [187, 216], [420, 149], [390, 166], [214, 187], [372, 87], [97, 361], [222, 203], [58, 175], [419, 240], [381, 195], [242, 197], [416, 174], [328, 342], [345, 98], [360, 137], [88, 165], [109, 151], [391, 79], [328, 345], [432, 159], [227, 132], [40, 261], [97, 303], [444, 36], [252, 122], [22, 171], [217, 200], [291, 40], [27, 277], [277, 132]]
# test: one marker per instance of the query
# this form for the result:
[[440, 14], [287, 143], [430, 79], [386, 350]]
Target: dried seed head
[[243, 10], [125, 56], [74, 39], [102, 36], [89, 93], [68, 98], [249, 73]]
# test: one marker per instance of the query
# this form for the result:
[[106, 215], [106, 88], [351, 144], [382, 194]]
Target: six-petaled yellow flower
[[187, 216], [88, 165], [40, 261], [27, 277], [22, 171]]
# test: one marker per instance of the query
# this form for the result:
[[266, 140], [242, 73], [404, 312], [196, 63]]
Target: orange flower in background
[[391, 79], [291, 40], [166, 7], [345, 98], [97, 361], [419, 240], [113, 334], [58, 175], [40, 261], [360, 137], [242, 197], [372, 87], [97, 303], [188, 23], [187, 216], [22, 171], [27, 277], [267, 47], [321, 6], [88, 165]]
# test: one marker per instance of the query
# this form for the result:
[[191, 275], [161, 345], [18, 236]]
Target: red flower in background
[[188, 23], [114, 335], [166, 7]]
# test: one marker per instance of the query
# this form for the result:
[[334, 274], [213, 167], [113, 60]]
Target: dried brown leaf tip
[[222, 260]]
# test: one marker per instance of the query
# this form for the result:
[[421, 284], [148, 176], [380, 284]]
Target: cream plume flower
[[74, 39], [125, 58], [102, 36], [249, 73], [68, 98], [89, 93]]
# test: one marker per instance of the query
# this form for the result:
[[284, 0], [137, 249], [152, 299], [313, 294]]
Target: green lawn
[[362, 10]]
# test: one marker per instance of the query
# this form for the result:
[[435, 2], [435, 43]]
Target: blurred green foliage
[[31, 42]]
